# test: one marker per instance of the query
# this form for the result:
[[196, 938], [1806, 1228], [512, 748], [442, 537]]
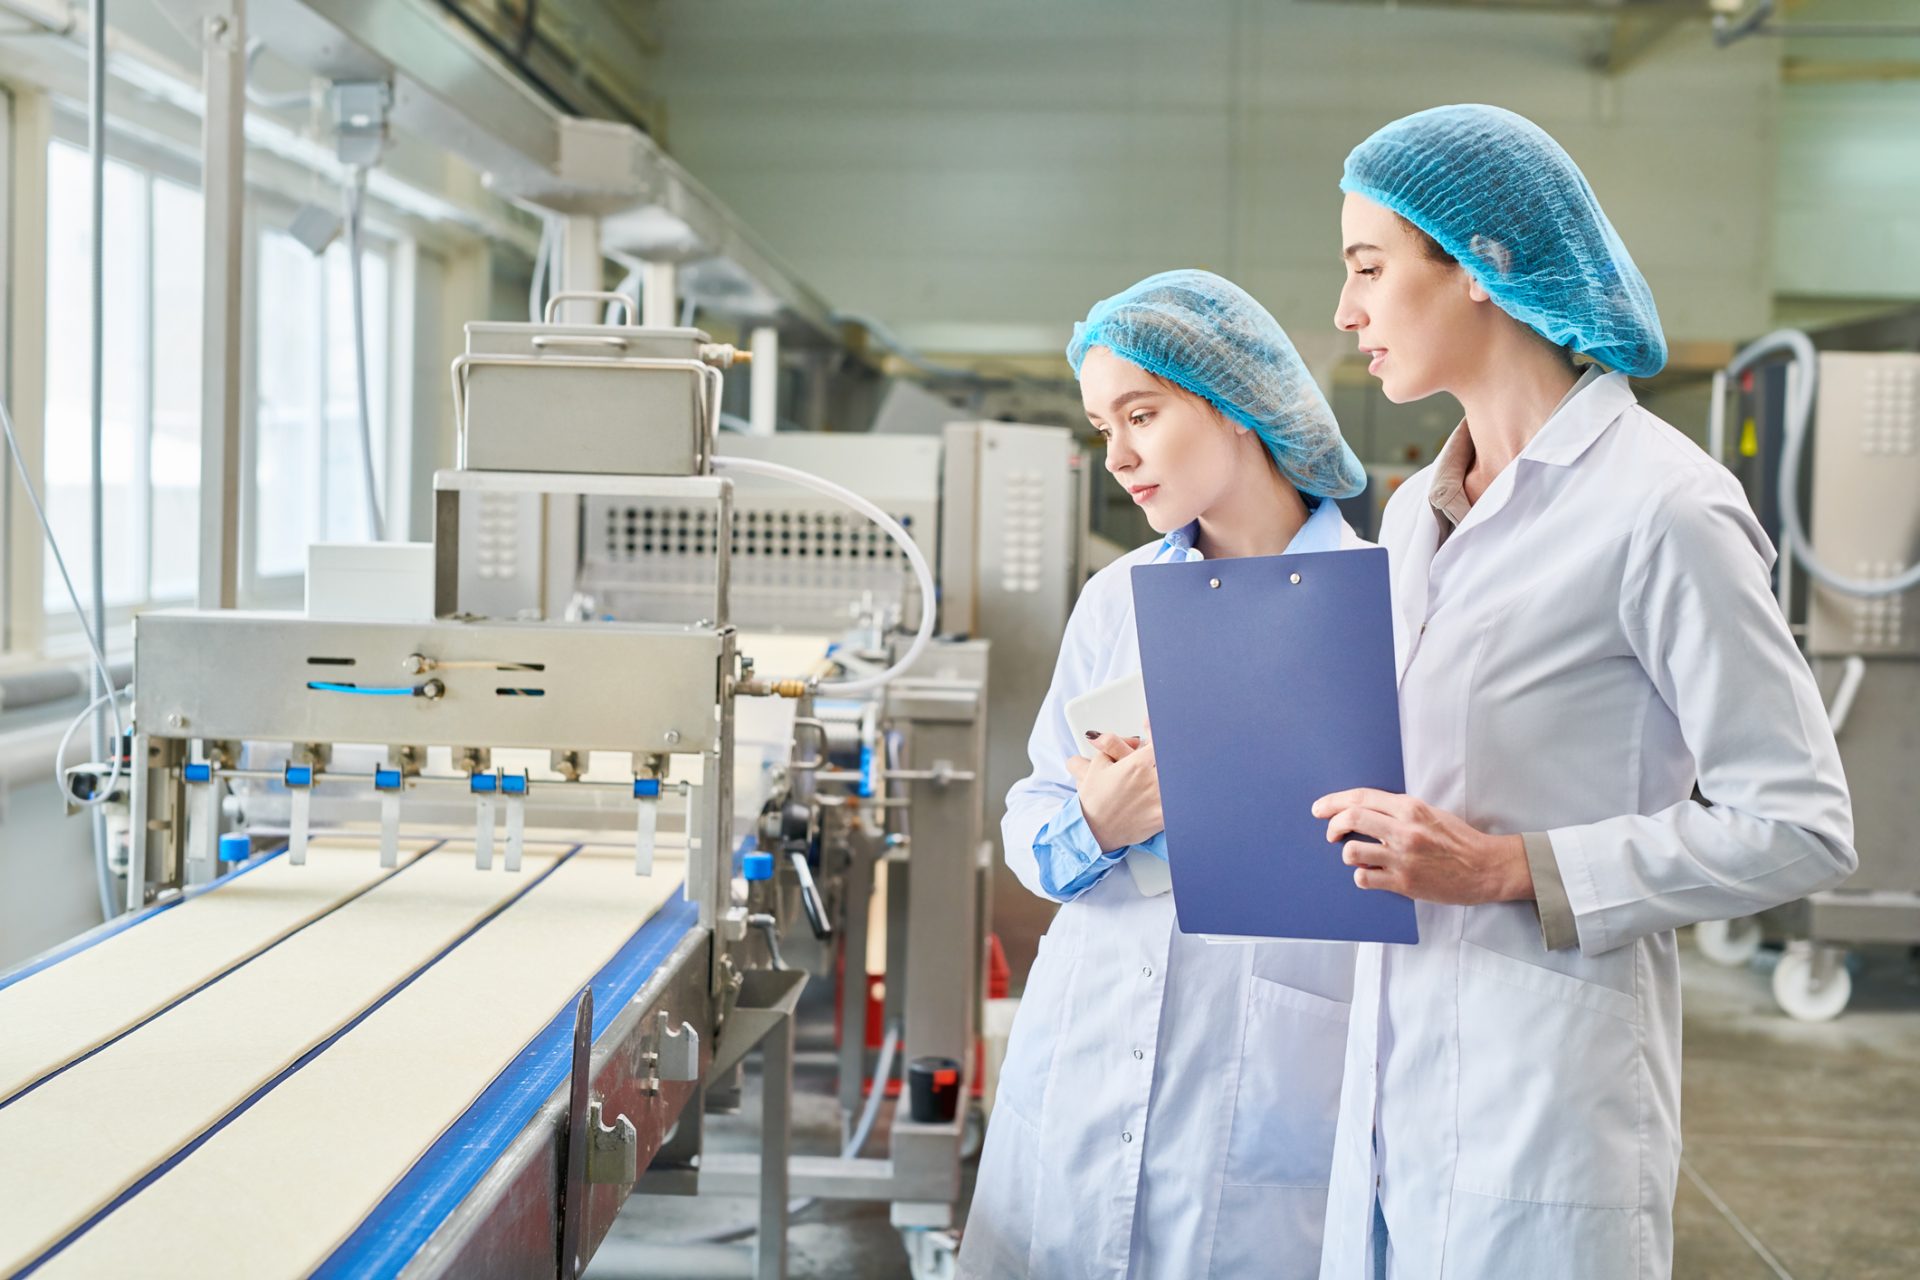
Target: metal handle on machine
[[810, 896], [819, 758], [541, 341], [587, 295]]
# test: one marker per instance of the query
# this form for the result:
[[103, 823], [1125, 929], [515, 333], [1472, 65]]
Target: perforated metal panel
[[799, 560], [500, 565], [1865, 517]]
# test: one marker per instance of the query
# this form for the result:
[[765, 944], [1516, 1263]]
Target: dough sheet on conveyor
[[51, 1017], [279, 1187], [96, 1128]]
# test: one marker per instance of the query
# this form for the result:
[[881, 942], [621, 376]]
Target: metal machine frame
[[1863, 500], [609, 189], [210, 681]]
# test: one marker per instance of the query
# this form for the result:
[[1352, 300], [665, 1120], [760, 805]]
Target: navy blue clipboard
[[1270, 683]]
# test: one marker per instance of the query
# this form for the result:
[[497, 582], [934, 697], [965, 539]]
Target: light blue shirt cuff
[[1070, 860]]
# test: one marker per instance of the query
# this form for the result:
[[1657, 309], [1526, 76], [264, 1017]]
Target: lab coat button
[[1126, 1137], [1137, 1055], [1147, 969]]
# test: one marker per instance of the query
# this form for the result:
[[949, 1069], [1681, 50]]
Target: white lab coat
[[1596, 636], [1166, 1107]]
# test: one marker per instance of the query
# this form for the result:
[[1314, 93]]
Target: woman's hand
[[1119, 791], [1424, 852]]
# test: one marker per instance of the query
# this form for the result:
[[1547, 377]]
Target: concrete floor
[[826, 1241], [1802, 1148], [1802, 1140]]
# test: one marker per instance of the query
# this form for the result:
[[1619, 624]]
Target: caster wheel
[[931, 1255], [1728, 942], [1803, 997]]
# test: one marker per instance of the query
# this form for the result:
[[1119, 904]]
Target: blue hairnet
[[1209, 336], [1510, 205]]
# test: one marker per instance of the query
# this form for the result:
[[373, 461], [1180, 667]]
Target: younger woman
[[1167, 1104]]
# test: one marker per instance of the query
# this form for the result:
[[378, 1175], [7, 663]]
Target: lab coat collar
[[1323, 531], [1588, 410], [1579, 421]]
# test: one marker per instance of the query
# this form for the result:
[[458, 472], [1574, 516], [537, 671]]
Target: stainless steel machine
[[999, 507], [1837, 434], [494, 721]]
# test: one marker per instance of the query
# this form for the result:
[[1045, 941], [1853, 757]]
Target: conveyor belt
[[83, 995], [255, 1125]]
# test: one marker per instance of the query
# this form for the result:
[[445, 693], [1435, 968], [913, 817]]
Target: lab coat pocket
[[1549, 1085], [1037, 1027], [998, 1241], [1288, 1096], [1270, 1232]]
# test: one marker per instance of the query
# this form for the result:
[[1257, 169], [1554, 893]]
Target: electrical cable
[[922, 574], [95, 651], [270, 101], [356, 209], [60, 752], [96, 627]]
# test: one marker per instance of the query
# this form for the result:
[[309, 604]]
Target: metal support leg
[[659, 296], [139, 823], [223, 182], [580, 268], [853, 984], [764, 1019], [776, 1139], [763, 405]]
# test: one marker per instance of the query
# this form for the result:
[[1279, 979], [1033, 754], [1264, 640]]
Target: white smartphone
[[1119, 707]]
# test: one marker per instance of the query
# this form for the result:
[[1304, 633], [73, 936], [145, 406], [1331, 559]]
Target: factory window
[[151, 381], [302, 447], [308, 484]]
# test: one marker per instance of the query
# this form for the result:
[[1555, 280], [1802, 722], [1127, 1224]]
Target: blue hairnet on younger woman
[[1208, 335], [1509, 204]]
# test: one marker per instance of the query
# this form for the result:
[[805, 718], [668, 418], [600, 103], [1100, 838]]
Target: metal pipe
[[1843, 30], [36, 21], [763, 411], [324, 778], [1852, 673], [1728, 30], [941, 776], [96, 424], [223, 238], [28, 689], [1717, 419], [659, 295]]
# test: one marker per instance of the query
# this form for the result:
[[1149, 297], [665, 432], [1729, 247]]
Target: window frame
[[269, 212], [31, 632]]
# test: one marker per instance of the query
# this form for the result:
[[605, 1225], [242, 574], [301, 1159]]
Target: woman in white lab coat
[[1588, 636], [1166, 1106]]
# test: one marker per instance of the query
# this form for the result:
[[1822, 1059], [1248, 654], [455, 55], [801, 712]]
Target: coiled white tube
[[922, 574], [1793, 443]]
